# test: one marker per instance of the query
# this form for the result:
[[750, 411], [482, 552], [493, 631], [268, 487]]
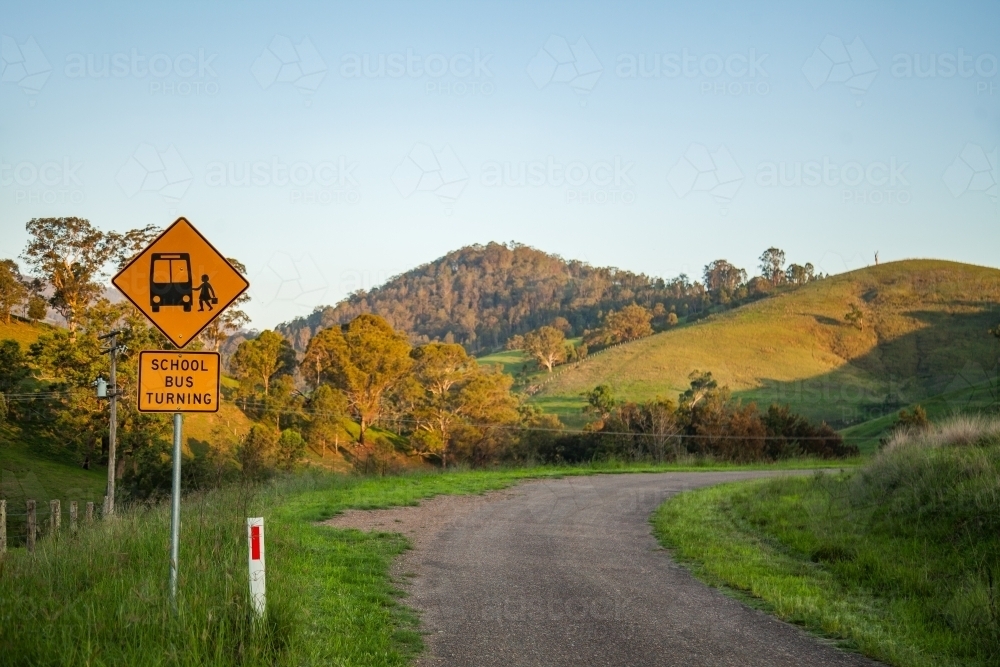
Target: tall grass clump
[[899, 559], [101, 596]]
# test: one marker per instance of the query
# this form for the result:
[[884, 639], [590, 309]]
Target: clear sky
[[330, 146]]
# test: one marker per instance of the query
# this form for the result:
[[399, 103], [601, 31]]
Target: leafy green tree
[[856, 317], [722, 279], [703, 385], [562, 324], [324, 348], [772, 265], [600, 401], [326, 413], [256, 452], [800, 275], [547, 346], [630, 323], [70, 255], [515, 342], [258, 361], [12, 289], [365, 359], [38, 308], [539, 435], [440, 370], [282, 404], [489, 416], [461, 409], [14, 367], [289, 449], [440, 366], [126, 246]]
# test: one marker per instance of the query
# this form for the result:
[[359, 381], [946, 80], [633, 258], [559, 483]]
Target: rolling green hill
[[924, 333]]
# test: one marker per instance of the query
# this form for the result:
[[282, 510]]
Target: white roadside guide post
[[163, 282], [255, 552]]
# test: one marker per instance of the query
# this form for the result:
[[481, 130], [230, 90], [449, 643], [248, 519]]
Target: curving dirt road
[[566, 572]]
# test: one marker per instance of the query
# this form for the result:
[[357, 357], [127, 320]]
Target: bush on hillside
[[706, 422]]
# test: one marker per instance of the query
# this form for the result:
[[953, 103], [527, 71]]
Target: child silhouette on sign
[[206, 296]]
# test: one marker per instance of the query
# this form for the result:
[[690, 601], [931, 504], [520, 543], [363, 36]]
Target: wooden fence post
[[3, 526], [72, 516], [55, 517], [90, 512], [31, 527]]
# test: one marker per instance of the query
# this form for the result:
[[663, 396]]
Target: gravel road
[[566, 572]]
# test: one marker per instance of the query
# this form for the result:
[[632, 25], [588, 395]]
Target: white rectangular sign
[[255, 543]]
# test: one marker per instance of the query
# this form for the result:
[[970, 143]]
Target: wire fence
[[24, 529]]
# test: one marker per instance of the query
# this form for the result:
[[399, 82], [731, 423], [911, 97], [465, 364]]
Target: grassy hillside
[[924, 334], [510, 361], [222, 429], [22, 332], [25, 473]]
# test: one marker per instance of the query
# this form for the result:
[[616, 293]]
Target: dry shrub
[[961, 430]]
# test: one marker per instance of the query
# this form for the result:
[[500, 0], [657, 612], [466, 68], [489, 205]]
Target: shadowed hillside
[[922, 331]]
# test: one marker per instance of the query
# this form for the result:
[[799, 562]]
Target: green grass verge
[[899, 560]]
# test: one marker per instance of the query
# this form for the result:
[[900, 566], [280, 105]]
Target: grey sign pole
[[175, 510], [113, 350], [112, 430]]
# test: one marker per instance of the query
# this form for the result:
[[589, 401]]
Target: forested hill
[[481, 295]]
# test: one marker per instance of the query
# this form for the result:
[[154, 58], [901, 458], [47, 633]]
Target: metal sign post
[[175, 510], [178, 382], [179, 270]]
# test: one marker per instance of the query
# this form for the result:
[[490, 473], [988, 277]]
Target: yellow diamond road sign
[[180, 282], [178, 381]]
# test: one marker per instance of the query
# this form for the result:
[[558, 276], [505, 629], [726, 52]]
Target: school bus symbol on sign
[[180, 282], [178, 381]]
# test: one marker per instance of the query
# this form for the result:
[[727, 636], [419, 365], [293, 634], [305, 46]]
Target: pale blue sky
[[358, 172]]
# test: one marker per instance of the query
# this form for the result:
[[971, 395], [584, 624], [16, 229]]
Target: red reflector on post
[[255, 542]]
